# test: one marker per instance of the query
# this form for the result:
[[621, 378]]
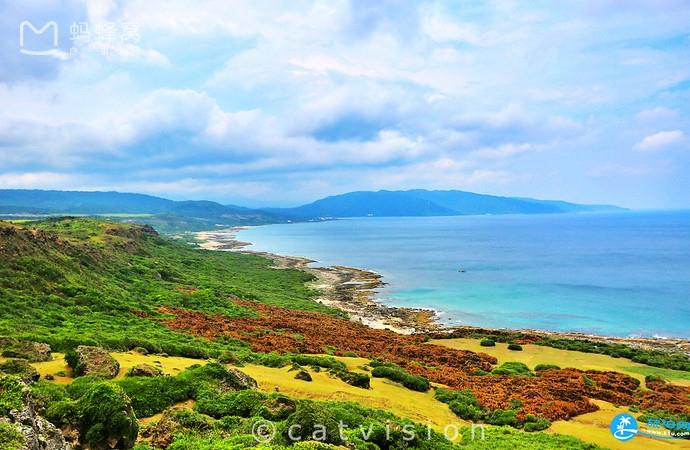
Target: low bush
[[650, 357], [507, 438], [106, 418], [151, 395], [11, 394], [325, 362], [45, 393], [512, 368], [241, 403], [394, 373], [534, 423], [652, 378], [10, 437], [487, 343], [312, 419], [355, 379], [466, 406], [515, 347], [542, 367]]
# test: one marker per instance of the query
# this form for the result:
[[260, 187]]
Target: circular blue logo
[[624, 427]]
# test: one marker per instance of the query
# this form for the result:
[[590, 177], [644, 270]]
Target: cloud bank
[[275, 102]]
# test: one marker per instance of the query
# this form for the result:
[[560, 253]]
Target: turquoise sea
[[618, 274]]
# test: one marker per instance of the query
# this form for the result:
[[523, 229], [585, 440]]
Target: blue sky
[[272, 102]]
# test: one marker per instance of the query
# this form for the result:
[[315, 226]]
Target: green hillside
[[69, 281]]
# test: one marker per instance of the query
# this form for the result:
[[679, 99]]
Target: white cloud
[[657, 114], [502, 152], [50, 180], [270, 92], [660, 140]]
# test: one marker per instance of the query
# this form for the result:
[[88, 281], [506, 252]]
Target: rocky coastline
[[354, 291]]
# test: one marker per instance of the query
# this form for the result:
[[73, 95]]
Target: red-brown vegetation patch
[[275, 328], [555, 394], [186, 289], [140, 313], [668, 397]]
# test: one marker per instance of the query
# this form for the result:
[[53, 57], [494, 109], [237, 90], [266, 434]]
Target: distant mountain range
[[166, 215], [421, 202], [170, 215]]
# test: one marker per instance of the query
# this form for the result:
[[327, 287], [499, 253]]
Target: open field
[[538, 354], [594, 427], [170, 365], [384, 394], [418, 406]]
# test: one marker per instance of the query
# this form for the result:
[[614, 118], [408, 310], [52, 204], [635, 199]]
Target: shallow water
[[615, 274]]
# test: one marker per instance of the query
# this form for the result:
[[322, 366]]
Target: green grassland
[[103, 283], [532, 355]]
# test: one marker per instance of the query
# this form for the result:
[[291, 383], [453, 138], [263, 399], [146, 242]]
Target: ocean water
[[623, 274]]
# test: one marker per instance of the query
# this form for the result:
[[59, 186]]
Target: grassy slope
[[538, 354], [591, 427], [102, 282], [594, 427], [384, 394], [387, 395]]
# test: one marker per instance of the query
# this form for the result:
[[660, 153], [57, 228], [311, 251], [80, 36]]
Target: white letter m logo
[[49, 51]]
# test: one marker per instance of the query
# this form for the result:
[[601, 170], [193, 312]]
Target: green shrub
[[80, 385], [355, 379], [588, 381], [542, 367], [311, 418], [515, 347], [502, 417], [463, 403], [105, 416], [242, 403], [394, 373], [62, 413], [151, 395], [650, 357], [652, 378], [271, 359], [487, 343], [534, 423], [10, 437], [466, 411], [448, 396], [228, 357], [326, 362], [11, 394], [512, 368], [193, 420], [21, 368], [45, 393]]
